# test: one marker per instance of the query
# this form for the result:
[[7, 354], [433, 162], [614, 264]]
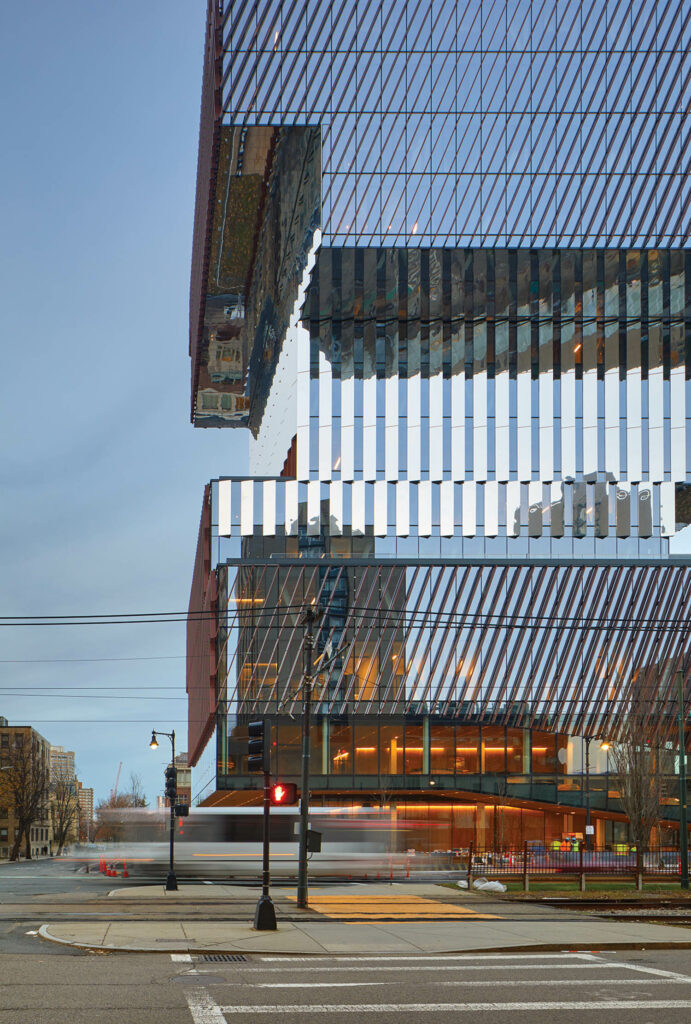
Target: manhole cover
[[224, 958]]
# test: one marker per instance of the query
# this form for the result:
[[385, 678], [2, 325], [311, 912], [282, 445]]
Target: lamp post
[[171, 793], [604, 745]]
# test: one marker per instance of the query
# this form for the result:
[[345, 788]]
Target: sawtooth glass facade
[[441, 275]]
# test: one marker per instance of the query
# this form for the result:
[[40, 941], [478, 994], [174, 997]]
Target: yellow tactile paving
[[399, 908]]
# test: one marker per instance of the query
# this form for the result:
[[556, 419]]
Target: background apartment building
[[24, 781]]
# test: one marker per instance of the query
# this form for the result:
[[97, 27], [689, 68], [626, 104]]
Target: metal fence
[[539, 860]]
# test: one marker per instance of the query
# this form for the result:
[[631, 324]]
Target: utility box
[[314, 841]]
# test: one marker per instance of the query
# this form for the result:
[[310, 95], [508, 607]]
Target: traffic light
[[182, 810], [283, 794], [258, 746], [171, 782]]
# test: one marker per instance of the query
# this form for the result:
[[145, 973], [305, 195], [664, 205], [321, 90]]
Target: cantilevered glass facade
[[441, 275]]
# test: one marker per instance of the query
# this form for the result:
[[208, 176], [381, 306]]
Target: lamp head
[[154, 741], [605, 745]]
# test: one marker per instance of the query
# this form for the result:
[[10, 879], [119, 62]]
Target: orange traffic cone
[[125, 872]]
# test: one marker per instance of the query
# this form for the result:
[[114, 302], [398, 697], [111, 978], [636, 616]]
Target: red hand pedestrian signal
[[283, 794]]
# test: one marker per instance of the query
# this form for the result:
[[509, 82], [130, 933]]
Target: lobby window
[[391, 749], [413, 749], [441, 750], [467, 749], [366, 749], [543, 750], [493, 749], [316, 743], [514, 750], [290, 749], [341, 749]]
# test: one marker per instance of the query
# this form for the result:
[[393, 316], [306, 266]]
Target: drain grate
[[224, 958]]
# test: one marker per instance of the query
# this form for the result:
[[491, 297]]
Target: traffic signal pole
[[259, 760], [265, 913]]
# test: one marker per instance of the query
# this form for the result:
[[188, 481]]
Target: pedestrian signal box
[[283, 794]]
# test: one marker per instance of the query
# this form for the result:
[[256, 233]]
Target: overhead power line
[[390, 618]]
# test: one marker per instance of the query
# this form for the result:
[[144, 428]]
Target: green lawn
[[604, 888]]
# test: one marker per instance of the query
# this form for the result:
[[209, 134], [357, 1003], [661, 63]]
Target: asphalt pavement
[[383, 954]]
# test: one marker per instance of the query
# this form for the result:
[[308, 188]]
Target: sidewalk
[[481, 925]]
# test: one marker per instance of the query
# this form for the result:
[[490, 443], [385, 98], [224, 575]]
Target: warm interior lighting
[[365, 750], [466, 750], [539, 750], [245, 600]]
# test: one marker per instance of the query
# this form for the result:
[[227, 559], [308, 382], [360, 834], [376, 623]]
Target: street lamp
[[604, 745], [171, 793]]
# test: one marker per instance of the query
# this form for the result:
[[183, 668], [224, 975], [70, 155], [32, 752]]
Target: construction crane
[[114, 790]]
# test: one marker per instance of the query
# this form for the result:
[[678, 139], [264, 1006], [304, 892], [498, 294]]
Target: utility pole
[[587, 792], [683, 826], [311, 616]]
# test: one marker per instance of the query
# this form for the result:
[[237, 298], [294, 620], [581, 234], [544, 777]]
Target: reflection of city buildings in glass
[[446, 249]]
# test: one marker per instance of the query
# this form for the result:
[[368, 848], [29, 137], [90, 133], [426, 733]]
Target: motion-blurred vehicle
[[227, 842]]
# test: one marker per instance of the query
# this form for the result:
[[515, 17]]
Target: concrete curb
[[537, 947]]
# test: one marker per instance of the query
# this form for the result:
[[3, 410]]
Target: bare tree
[[136, 793], [64, 807], [108, 823], [640, 777], [27, 782]]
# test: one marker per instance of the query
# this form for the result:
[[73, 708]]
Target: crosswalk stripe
[[367, 907], [599, 1004], [485, 967], [493, 983], [435, 962]]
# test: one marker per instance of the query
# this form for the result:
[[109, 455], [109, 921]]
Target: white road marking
[[203, 1008], [206, 882], [443, 956], [31, 933], [181, 958], [546, 982], [334, 984], [600, 1004], [656, 971], [471, 967]]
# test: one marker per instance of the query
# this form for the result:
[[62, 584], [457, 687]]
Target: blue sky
[[101, 472]]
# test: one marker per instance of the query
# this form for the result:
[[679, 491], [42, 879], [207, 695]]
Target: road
[[42, 983], [638, 988]]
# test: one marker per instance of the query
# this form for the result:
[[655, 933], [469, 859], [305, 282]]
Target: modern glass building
[[441, 275]]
